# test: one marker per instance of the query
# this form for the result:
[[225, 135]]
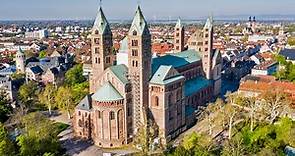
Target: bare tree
[[274, 103], [232, 112]]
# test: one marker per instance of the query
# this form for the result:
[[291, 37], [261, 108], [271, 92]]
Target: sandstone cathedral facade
[[166, 89]]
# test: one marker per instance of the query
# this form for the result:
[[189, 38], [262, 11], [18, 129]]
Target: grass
[[61, 126]]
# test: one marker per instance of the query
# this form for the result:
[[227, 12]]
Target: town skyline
[[77, 10]]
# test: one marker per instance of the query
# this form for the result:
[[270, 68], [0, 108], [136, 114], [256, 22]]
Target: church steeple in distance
[[179, 36]]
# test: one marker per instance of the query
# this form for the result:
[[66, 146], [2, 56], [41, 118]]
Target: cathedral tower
[[20, 60], [207, 50], [101, 49], [179, 37], [139, 65]]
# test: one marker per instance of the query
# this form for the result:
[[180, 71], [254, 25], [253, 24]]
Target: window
[[134, 52], [99, 114], [79, 113], [156, 101], [177, 34], [134, 42], [96, 60], [96, 32], [170, 100], [177, 47], [206, 43], [129, 111], [80, 123], [170, 115], [177, 41], [134, 33], [207, 35], [136, 64], [96, 50], [112, 115], [108, 60], [206, 49], [96, 40], [177, 29]]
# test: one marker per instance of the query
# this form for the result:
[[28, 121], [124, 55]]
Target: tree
[[65, 100], [232, 112], [5, 107], [6, 145], [18, 76], [27, 94], [47, 97], [42, 54], [209, 114], [38, 137], [291, 41], [234, 147], [75, 75], [274, 103], [252, 106]]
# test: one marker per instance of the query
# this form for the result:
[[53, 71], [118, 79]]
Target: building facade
[[165, 90]]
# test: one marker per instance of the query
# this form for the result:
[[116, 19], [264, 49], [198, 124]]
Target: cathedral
[[133, 86]]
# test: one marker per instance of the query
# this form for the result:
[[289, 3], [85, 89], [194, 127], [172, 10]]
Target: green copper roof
[[121, 72], [176, 60], [101, 24], [194, 85], [160, 76], [107, 93], [139, 23], [124, 45]]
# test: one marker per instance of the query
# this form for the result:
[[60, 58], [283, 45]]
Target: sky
[[152, 9]]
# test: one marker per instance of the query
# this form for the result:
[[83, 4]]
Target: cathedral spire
[[209, 23], [179, 23], [101, 24], [139, 23]]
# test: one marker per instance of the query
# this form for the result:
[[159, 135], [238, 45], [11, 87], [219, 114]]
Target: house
[[34, 73], [6, 85], [54, 75], [257, 58], [265, 68]]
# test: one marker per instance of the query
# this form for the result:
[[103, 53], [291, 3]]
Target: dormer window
[[96, 32], [134, 33]]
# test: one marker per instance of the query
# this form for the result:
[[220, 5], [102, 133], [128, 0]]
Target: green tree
[[291, 41], [79, 91], [47, 97], [6, 145], [75, 75], [39, 136], [18, 76], [42, 54], [27, 94], [5, 107], [65, 100]]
